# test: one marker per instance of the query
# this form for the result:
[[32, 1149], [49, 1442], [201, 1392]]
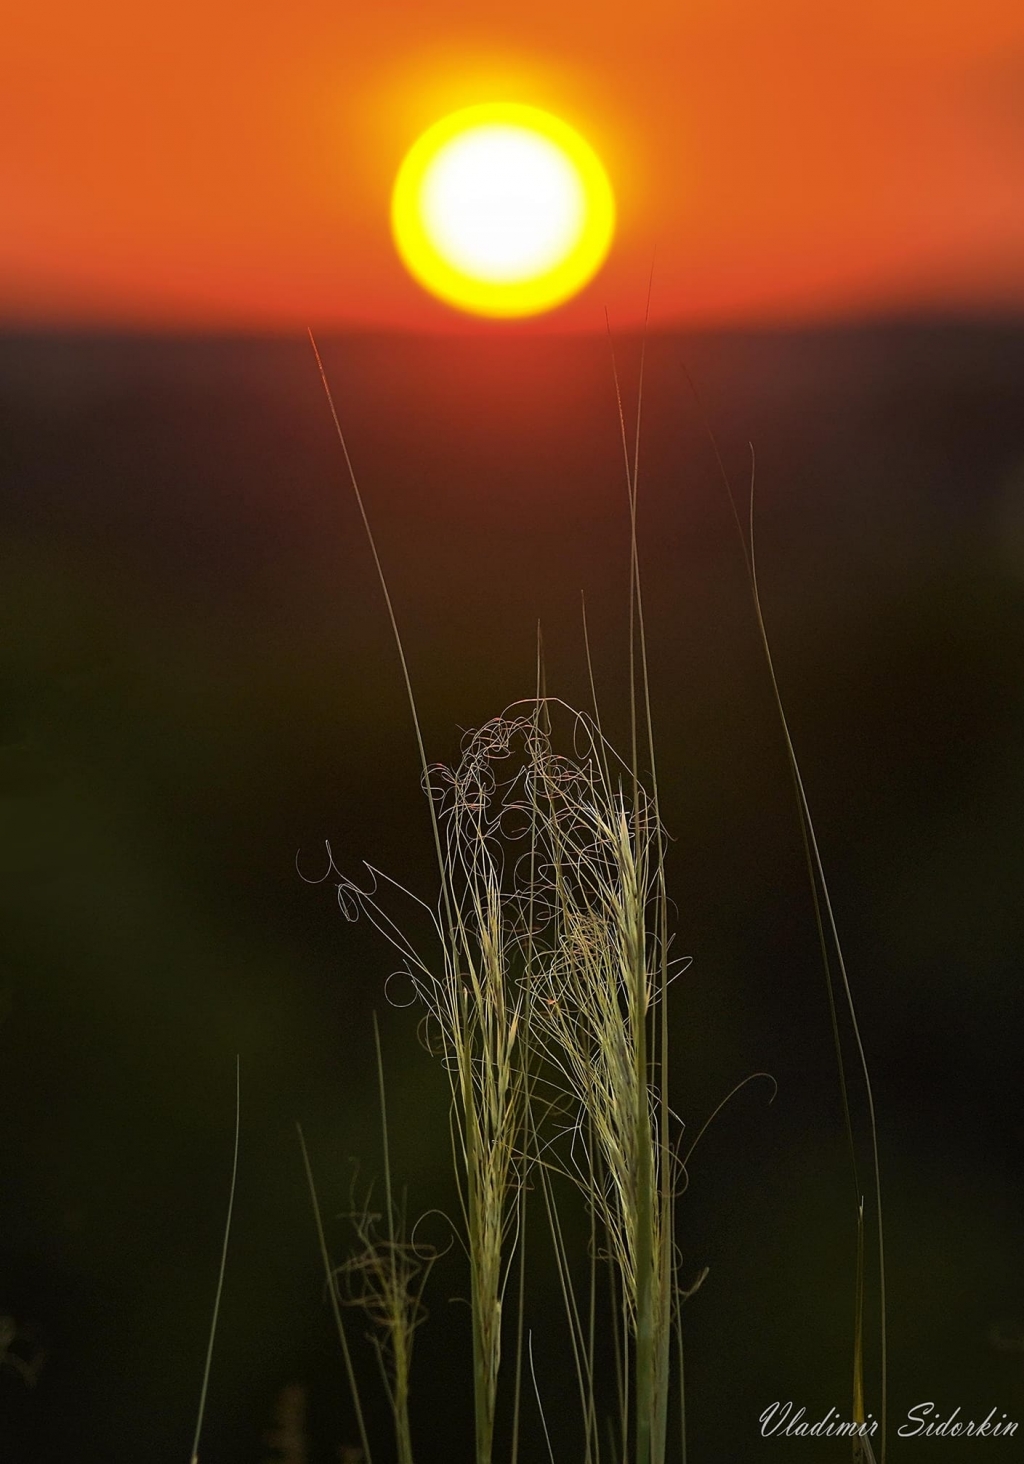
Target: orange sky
[[228, 164]]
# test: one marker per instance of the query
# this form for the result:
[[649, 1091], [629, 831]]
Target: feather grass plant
[[553, 879], [597, 998], [545, 992], [480, 994]]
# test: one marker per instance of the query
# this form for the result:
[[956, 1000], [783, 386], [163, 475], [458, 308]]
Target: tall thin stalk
[[653, 1371], [828, 937], [194, 1455]]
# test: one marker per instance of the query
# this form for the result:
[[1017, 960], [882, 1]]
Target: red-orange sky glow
[[213, 164]]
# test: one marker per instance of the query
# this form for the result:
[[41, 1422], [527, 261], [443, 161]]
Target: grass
[[541, 999], [839, 992], [204, 1389], [385, 1279], [546, 990]]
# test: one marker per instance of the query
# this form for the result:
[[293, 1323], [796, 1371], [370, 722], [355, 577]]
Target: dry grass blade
[[194, 1455]]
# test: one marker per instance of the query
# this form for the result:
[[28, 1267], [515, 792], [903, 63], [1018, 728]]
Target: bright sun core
[[502, 210]]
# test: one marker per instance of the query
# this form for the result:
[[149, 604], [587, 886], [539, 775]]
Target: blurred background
[[230, 167], [199, 690]]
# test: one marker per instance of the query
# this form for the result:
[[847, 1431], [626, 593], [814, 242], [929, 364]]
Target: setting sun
[[502, 210]]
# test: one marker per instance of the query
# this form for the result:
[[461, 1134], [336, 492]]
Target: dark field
[[198, 682]]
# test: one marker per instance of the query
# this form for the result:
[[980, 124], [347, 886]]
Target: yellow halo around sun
[[502, 210]]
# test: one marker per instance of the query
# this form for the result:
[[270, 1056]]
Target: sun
[[502, 210]]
